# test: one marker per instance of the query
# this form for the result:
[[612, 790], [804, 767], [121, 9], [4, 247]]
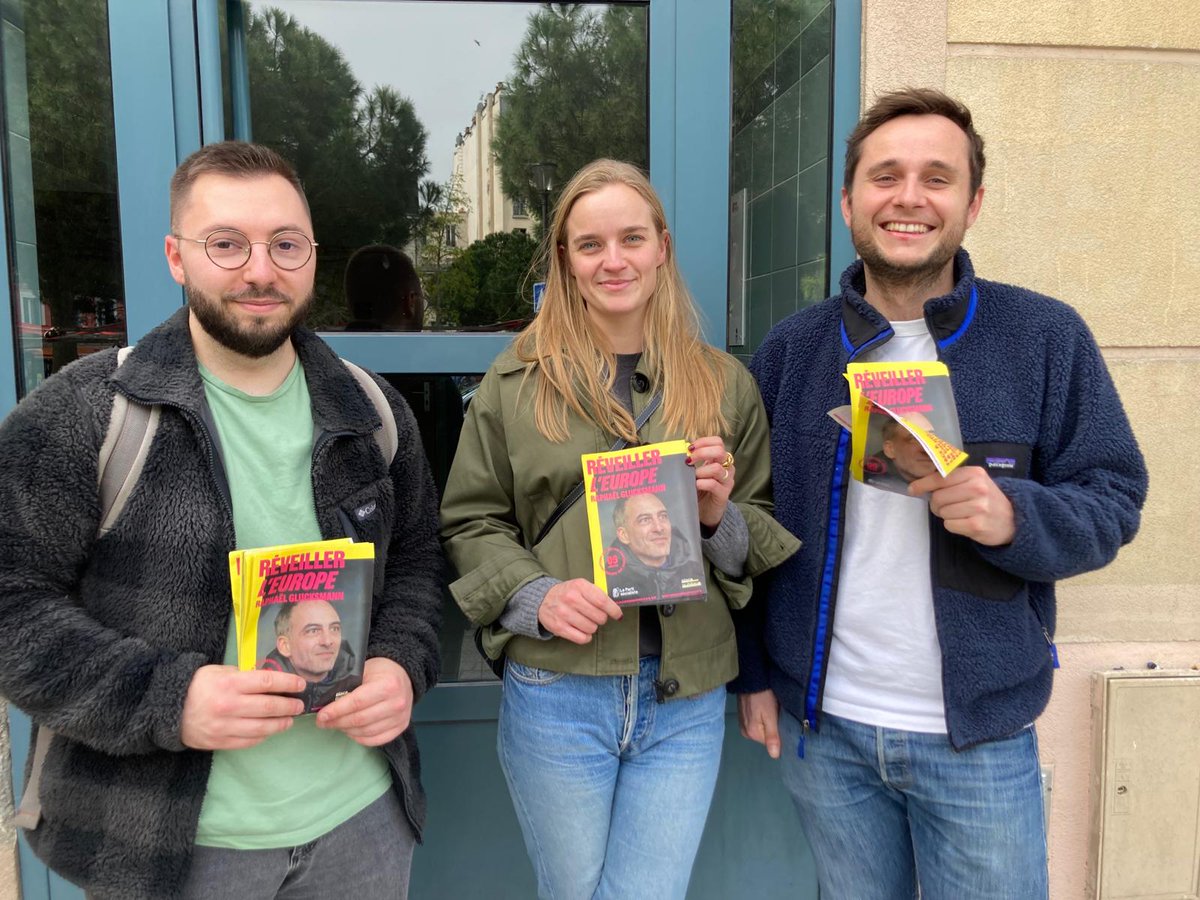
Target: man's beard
[[257, 340], [909, 275]]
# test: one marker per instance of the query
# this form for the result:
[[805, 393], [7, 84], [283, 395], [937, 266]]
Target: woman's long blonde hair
[[577, 365]]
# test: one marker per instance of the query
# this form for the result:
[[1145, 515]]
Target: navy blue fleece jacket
[[1037, 408]]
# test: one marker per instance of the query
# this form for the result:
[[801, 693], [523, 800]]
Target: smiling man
[[897, 662], [164, 774], [309, 636]]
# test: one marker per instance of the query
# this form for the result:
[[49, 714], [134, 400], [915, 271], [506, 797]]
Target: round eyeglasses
[[230, 249]]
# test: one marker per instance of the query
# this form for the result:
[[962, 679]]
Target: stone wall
[[1088, 109]]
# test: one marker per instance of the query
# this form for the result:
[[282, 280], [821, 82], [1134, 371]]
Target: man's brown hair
[[914, 102], [236, 159]]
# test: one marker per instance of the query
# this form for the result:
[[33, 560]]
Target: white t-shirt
[[885, 664]]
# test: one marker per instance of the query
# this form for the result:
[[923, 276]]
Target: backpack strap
[[131, 429], [387, 437], [29, 813]]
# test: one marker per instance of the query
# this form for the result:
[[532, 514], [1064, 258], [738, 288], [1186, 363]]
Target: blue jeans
[[611, 787], [885, 810], [367, 857]]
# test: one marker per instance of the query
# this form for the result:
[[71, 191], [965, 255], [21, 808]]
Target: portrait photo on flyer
[[644, 524]]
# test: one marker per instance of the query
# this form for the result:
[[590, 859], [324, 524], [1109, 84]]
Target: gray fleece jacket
[[105, 635]]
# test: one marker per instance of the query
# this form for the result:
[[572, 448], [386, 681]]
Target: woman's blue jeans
[[611, 787], [885, 809]]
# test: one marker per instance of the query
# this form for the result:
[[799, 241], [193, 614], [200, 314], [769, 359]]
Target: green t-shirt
[[295, 786]]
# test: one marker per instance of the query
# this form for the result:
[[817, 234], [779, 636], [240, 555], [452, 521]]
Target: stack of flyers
[[305, 609]]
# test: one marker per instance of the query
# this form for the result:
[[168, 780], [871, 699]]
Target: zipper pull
[[1053, 649], [803, 735]]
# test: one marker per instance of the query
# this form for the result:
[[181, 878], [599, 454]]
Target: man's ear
[[622, 534], [174, 259], [283, 646], [975, 205]]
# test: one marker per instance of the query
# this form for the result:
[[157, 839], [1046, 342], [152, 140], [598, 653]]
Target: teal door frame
[[8, 345], [167, 84]]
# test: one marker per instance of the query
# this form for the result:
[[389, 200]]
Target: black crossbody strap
[[576, 492]]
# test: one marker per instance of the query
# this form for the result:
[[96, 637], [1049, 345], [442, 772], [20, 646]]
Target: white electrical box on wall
[[1145, 785]]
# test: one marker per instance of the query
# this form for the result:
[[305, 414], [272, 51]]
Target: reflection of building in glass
[[489, 210]]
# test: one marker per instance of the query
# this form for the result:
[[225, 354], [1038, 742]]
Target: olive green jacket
[[506, 482]]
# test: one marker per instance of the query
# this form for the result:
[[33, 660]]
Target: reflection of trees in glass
[[577, 92], [486, 283], [754, 48], [360, 155], [442, 209], [73, 151]]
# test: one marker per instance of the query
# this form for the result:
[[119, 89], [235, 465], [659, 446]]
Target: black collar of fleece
[[946, 316]]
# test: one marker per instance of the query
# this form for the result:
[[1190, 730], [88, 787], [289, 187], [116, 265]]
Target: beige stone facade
[[1088, 108]]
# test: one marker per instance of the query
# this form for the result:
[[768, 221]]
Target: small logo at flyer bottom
[[614, 561]]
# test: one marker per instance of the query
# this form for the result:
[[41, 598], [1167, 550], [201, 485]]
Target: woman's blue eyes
[[628, 239]]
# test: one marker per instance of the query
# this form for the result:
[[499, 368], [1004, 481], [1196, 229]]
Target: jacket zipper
[[1046, 635], [823, 638], [215, 470]]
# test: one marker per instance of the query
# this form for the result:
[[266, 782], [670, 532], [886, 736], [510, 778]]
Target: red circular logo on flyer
[[873, 465], [614, 561]]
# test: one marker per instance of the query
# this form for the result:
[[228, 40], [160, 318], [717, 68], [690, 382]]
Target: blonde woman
[[612, 719]]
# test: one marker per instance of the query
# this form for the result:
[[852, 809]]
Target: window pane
[[779, 172], [64, 230], [418, 126]]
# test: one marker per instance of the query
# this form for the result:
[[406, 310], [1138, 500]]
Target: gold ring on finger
[[725, 476], [727, 461]]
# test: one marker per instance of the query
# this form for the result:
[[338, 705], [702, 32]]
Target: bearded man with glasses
[[170, 773]]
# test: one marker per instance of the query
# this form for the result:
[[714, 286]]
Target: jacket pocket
[[957, 564]]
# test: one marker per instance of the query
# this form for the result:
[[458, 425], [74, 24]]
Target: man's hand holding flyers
[[970, 503]]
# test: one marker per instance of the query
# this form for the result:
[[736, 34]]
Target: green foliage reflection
[[578, 91], [361, 155]]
